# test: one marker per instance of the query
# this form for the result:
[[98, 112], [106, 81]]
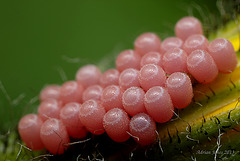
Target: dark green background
[[36, 37]]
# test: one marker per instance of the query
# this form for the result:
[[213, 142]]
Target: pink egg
[[179, 87], [91, 115], [29, 130], [151, 58], [170, 43], [202, 66], [69, 115], [195, 42], [223, 54], [158, 104], [49, 108], [175, 60], [143, 129], [88, 75], [188, 26], [54, 136], [112, 97], [147, 42], [71, 91], [129, 78], [50, 91], [116, 124], [128, 59], [133, 100], [151, 75], [92, 92], [109, 77]]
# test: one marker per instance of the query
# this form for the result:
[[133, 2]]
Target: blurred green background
[[45, 41]]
